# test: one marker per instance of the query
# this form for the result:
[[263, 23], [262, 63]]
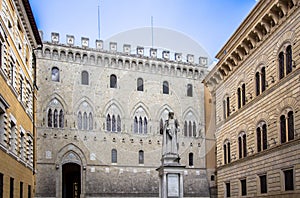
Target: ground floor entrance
[[71, 180]]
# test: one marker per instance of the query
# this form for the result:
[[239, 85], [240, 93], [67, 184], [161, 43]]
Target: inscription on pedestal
[[173, 185]]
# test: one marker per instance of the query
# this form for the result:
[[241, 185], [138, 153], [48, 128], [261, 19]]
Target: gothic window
[[140, 84], [190, 129], [261, 135], [114, 156], [79, 120], [49, 118], [191, 159], [194, 129], [165, 87], [113, 81], [190, 90], [55, 74], [287, 127], [113, 125], [140, 125], [135, 125], [85, 124], [118, 124], [161, 126], [84, 78], [90, 121], [108, 123], [61, 119], [185, 129], [55, 119], [141, 157], [145, 126], [242, 145], [226, 152]]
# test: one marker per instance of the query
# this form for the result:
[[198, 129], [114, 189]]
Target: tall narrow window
[[281, 65], [84, 78], [55, 74], [140, 125], [242, 145], [243, 187], [90, 121], [113, 124], [141, 157], [290, 122], [185, 129], [165, 87], [226, 150], [258, 136], [140, 84], [257, 83], [239, 98], [136, 128], [113, 156], [288, 179], [263, 79], [108, 123], [243, 94], [61, 119], [1, 176], [12, 75], [225, 153], [21, 189], [190, 90], [190, 129], [194, 129], [11, 187], [49, 118], [113, 81], [79, 120], [118, 124], [282, 129], [55, 119], [227, 189], [145, 126], [191, 159], [264, 137], [85, 125], [263, 184], [227, 106], [289, 60], [29, 191], [161, 126]]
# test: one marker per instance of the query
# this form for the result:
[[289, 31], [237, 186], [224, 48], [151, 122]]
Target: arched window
[[190, 90], [55, 74], [226, 107], [241, 95], [281, 65], [261, 135], [90, 121], [79, 120], [226, 152], [61, 119], [85, 124], [289, 60], [263, 79], [49, 118], [190, 129], [185, 129], [113, 120], [114, 156], [140, 84], [242, 143], [165, 87], [260, 81], [55, 119], [287, 127], [141, 157], [135, 125], [257, 83], [145, 126], [140, 125], [84, 78], [194, 129], [191, 159], [113, 81], [108, 123], [118, 124], [161, 126]]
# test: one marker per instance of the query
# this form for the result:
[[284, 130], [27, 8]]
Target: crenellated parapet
[[123, 60]]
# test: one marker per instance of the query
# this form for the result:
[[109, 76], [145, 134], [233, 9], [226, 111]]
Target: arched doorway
[[71, 180]]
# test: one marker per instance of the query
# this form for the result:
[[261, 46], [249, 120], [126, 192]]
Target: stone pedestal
[[171, 180]]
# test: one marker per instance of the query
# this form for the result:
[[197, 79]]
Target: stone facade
[[102, 111], [18, 38], [255, 104]]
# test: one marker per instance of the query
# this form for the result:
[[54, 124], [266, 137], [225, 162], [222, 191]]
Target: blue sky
[[208, 22]]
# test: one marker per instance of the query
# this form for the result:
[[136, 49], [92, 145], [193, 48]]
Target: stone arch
[[264, 116], [242, 78], [142, 106], [111, 106], [288, 102], [287, 37], [52, 97], [242, 127], [81, 101], [164, 112]]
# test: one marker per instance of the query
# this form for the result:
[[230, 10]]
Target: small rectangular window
[[263, 184], [227, 189], [1, 185], [243, 187], [288, 179]]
